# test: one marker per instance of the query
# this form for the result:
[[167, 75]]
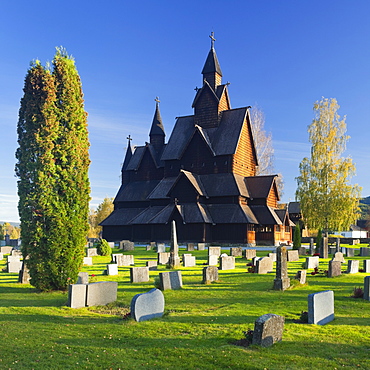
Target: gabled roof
[[194, 213], [265, 215], [162, 189], [121, 216], [135, 191], [135, 161], [231, 214], [294, 207], [260, 186], [147, 215], [206, 87]]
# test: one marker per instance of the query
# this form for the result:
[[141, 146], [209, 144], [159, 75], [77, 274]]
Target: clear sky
[[279, 55]]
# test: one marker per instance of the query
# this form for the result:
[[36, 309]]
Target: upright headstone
[[210, 274], [24, 275], [123, 259], [353, 266], [139, 274], [364, 251], [255, 259], [101, 293], [147, 306], [77, 295], [264, 265], [163, 258], [91, 252], [15, 266], [312, 262], [366, 265], [1, 256], [227, 262], [281, 281], [6, 249], [367, 288], [302, 251], [272, 256], [83, 278], [350, 252], [337, 245], [170, 280], [293, 255], [268, 329], [152, 265], [214, 251], [190, 247], [324, 251], [335, 268], [128, 245], [338, 256], [301, 276], [321, 307], [88, 261], [174, 260], [112, 269], [213, 260], [161, 248], [236, 251], [249, 253], [188, 260], [148, 248], [201, 246], [312, 247]]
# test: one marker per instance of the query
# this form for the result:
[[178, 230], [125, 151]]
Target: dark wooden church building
[[203, 178]]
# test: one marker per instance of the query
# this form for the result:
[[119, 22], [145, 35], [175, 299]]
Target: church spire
[[128, 153], [212, 71], [157, 133]]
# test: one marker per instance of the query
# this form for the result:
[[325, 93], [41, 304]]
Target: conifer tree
[[52, 167]]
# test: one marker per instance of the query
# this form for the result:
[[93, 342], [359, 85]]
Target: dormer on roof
[[157, 134]]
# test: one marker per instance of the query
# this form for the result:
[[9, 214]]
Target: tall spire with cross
[[212, 71], [128, 154], [157, 133]]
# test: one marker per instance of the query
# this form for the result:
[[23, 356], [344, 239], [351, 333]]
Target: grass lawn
[[201, 322]]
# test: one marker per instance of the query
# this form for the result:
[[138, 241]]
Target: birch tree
[[328, 200]]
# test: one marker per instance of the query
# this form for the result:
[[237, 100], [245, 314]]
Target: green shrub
[[103, 248], [297, 237]]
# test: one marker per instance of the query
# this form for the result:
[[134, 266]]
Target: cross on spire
[[129, 138], [212, 39], [157, 100]]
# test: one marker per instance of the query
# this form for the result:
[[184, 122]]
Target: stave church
[[203, 177]]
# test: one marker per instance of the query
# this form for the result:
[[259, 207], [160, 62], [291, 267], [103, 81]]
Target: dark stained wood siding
[[147, 170], [206, 110]]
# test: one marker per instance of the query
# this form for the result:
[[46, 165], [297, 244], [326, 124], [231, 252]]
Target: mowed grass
[[201, 322]]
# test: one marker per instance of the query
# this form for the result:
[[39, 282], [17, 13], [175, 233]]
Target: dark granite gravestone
[[268, 329], [367, 288], [337, 245], [364, 251], [190, 247], [350, 252], [321, 307], [147, 306], [281, 281], [302, 251]]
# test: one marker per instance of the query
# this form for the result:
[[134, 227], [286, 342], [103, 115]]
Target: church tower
[[157, 134]]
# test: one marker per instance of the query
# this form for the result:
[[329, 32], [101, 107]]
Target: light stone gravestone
[[337, 245], [83, 278], [101, 293], [255, 259], [367, 288], [293, 255], [236, 251], [91, 252], [312, 247], [281, 281], [112, 269], [312, 262], [152, 265], [213, 260], [163, 258], [302, 251], [268, 329], [264, 265], [1, 256], [272, 256], [321, 307], [14, 266], [366, 265], [353, 266], [148, 248], [77, 295], [227, 263], [170, 280], [11, 258], [139, 274], [111, 244], [16, 252], [201, 246], [214, 251], [301, 276], [355, 241], [350, 252], [147, 306], [190, 247], [161, 248], [174, 260], [335, 268], [123, 259], [128, 245], [88, 261], [6, 249], [364, 251], [249, 253], [338, 256], [188, 260], [210, 274]]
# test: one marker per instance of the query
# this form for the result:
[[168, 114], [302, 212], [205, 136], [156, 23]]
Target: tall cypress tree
[[52, 167]]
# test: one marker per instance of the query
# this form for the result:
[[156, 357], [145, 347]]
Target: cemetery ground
[[200, 324]]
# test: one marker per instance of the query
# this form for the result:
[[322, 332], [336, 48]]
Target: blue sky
[[279, 55]]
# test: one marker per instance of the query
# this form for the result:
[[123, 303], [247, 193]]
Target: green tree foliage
[[103, 248], [2, 231], [328, 200], [297, 237], [52, 168]]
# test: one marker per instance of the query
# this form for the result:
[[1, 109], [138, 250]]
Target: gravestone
[[236, 251], [312, 247], [332, 250], [111, 244], [350, 252], [301, 276], [354, 241], [112, 269], [312, 262], [1, 256], [210, 274], [201, 246], [152, 265], [139, 274], [147, 306], [91, 252], [268, 329], [77, 295], [338, 256], [190, 247], [293, 255], [364, 251], [174, 260], [123, 259], [161, 248], [353, 266], [281, 281], [188, 260], [255, 259], [367, 288], [16, 252], [6, 249], [11, 258], [213, 260], [170, 280], [101, 293], [302, 251], [88, 261], [148, 248], [337, 245], [344, 251], [321, 307], [163, 258], [264, 265], [249, 253], [214, 251], [128, 245], [366, 265], [227, 263], [272, 256], [324, 250], [83, 278], [14, 266], [335, 268], [24, 275]]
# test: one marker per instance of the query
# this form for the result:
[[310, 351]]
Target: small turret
[[127, 159], [157, 134]]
